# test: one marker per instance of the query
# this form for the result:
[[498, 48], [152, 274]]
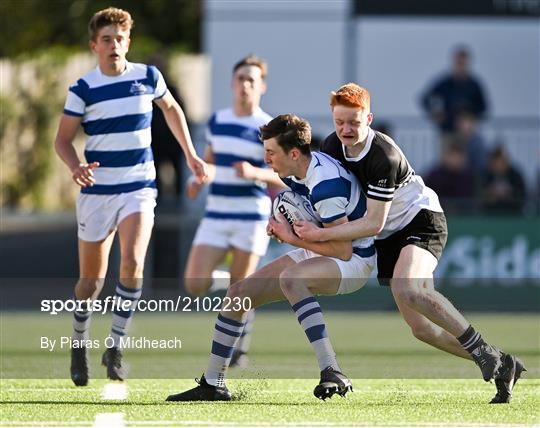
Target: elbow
[[346, 254], [377, 227]]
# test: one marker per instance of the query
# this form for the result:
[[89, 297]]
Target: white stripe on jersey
[[119, 107], [236, 146], [331, 207], [381, 189], [227, 175], [381, 195], [225, 204], [128, 174], [140, 139]]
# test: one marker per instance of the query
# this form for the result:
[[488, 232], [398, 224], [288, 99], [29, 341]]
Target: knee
[[197, 286], [132, 266], [88, 288], [288, 281], [407, 293], [237, 290]]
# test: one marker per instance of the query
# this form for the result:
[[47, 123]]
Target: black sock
[[471, 339]]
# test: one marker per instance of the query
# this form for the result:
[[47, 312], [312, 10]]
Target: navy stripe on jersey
[[249, 190], [120, 158], [360, 208], [105, 189], [221, 159], [335, 187], [114, 125], [80, 89], [72, 113], [235, 216], [296, 187], [114, 91], [327, 220], [234, 130], [365, 252]]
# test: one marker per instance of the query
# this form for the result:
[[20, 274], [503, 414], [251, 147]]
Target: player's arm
[[81, 172], [339, 249], [176, 120], [370, 225], [267, 175]]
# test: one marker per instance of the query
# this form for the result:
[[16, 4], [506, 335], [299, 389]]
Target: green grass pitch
[[398, 381]]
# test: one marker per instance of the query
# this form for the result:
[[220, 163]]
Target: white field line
[[115, 391], [109, 420]]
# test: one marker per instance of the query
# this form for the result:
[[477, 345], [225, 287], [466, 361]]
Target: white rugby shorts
[[99, 215], [245, 235], [354, 272]]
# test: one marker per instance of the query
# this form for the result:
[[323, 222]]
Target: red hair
[[351, 95]]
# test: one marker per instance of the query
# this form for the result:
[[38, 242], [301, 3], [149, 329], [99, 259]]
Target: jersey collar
[[365, 150]]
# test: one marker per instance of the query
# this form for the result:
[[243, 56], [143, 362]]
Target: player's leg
[[93, 261], [249, 241], [243, 264], [429, 332], [95, 232], [202, 261], [412, 268], [328, 276], [134, 231], [209, 248], [415, 264], [259, 288]]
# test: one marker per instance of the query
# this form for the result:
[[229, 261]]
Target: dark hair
[[290, 131], [253, 60]]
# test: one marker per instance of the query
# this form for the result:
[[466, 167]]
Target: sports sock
[[81, 322], [121, 319], [226, 334], [471, 339], [245, 337], [309, 314]]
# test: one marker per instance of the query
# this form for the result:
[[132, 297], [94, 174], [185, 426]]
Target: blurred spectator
[[468, 134], [165, 148], [452, 180], [503, 187], [455, 92]]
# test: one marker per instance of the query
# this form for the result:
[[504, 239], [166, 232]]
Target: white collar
[[365, 150]]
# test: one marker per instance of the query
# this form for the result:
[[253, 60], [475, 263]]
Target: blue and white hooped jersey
[[116, 113], [334, 193], [233, 139]]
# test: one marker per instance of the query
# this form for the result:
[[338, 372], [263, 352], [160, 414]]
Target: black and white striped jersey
[[386, 175]]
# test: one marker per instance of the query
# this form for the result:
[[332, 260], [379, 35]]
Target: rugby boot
[[79, 366], [203, 392], [332, 382], [489, 359], [506, 379], [112, 359]]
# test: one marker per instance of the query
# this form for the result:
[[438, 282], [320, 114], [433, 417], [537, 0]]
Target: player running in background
[[237, 207], [113, 103], [327, 268], [410, 229]]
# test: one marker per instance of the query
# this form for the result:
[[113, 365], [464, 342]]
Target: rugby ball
[[294, 207]]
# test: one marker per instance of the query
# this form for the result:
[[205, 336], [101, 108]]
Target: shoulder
[[331, 145], [265, 117], [384, 149]]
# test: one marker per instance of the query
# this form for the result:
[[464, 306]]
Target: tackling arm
[[370, 225], [340, 249]]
